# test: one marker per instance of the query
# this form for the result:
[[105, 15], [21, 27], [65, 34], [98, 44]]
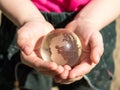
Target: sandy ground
[[116, 81]]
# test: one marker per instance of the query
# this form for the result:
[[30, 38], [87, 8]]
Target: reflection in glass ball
[[62, 47]]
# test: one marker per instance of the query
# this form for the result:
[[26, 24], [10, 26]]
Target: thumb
[[95, 55], [97, 47], [26, 46], [25, 40]]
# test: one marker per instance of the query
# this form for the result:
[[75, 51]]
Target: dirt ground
[[116, 81]]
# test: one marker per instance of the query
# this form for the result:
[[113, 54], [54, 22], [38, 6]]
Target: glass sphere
[[62, 47]]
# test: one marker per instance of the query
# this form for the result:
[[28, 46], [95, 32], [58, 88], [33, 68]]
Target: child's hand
[[92, 50], [66, 80], [29, 39]]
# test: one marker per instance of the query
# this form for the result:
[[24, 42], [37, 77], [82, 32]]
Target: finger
[[83, 68], [67, 81], [59, 70], [45, 67], [73, 80], [51, 72], [64, 75], [34, 61]]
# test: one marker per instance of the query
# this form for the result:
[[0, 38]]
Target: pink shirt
[[60, 5]]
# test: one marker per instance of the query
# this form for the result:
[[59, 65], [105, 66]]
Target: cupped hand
[[92, 50], [29, 38]]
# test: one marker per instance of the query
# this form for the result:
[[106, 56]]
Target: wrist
[[32, 19], [87, 24]]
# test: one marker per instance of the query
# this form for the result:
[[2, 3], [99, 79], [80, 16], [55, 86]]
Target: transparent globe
[[62, 47]]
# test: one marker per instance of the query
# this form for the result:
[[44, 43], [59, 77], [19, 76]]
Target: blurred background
[[116, 81]]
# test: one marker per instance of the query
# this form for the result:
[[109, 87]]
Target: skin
[[87, 24]]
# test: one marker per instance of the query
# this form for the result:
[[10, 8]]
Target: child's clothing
[[98, 79], [60, 5]]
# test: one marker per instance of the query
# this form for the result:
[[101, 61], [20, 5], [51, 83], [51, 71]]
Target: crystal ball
[[62, 47]]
